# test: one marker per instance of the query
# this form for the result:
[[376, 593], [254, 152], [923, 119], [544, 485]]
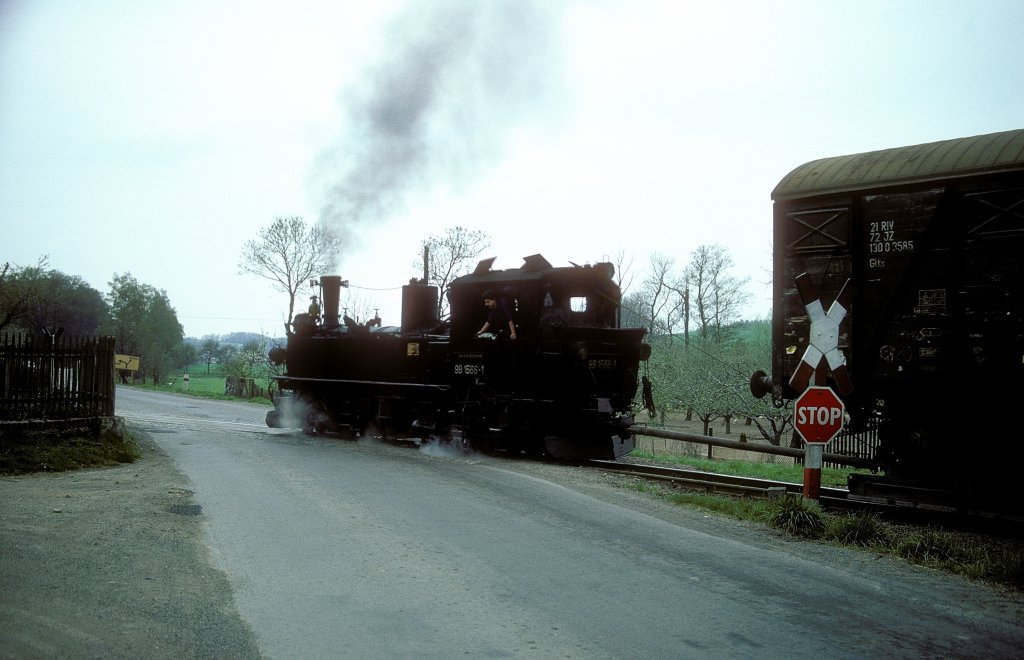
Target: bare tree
[[660, 308], [288, 254], [359, 305], [712, 291], [451, 255], [623, 271], [632, 311]]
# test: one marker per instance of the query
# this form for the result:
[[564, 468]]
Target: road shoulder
[[112, 563]]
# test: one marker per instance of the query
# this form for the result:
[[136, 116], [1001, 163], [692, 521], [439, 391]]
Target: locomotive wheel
[[317, 420], [457, 438], [534, 447], [315, 427]]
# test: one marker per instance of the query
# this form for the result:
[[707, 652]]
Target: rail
[[726, 484]]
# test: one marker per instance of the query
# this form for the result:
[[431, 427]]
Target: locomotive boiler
[[916, 254], [564, 386]]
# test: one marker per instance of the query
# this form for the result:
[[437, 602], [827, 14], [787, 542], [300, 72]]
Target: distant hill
[[238, 339]]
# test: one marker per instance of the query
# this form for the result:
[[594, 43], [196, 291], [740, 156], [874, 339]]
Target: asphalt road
[[331, 548]]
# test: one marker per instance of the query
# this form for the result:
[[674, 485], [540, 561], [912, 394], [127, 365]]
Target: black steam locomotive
[[917, 254], [563, 386]]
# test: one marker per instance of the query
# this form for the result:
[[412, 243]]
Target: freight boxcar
[[918, 253]]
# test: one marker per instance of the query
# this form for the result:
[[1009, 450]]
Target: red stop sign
[[818, 415]]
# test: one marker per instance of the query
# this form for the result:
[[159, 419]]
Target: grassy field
[[202, 384]]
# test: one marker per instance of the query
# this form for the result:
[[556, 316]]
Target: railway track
[[725, 484], [837, 499]]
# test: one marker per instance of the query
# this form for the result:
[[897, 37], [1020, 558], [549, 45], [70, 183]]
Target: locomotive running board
[[346, 381]]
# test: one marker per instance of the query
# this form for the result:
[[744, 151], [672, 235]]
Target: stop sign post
[[818, 417]]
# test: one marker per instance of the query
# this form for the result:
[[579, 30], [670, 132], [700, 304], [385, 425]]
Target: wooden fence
[[53, 378]]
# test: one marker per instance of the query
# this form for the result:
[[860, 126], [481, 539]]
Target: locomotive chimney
[[419, 307], [331, 285]]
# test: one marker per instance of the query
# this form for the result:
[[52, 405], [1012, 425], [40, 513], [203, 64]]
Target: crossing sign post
[[818, 418]]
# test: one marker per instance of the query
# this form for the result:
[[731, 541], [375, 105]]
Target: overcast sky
[[156, 137]]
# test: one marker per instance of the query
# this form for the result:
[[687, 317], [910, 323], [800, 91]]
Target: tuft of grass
[[926, 546], [862, 529], [739, 508], [796, 516], [975, 557], [40, 451]]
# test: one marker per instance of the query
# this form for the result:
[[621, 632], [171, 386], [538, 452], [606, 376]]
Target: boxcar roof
[[970, 156]]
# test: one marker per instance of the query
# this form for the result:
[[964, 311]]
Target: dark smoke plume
[[458, 77]]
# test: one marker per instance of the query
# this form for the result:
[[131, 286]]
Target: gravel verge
[[111, 563]]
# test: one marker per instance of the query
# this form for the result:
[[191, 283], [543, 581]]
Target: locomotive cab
[[536, 295]]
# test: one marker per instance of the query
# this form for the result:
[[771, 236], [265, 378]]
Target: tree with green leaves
[[64, 304], [288, 254], [18, 287], [186, 355], [143, 323], [225, 354], [244, 365], [694, 377], [246, 361], [209, 349], [452, 254]]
